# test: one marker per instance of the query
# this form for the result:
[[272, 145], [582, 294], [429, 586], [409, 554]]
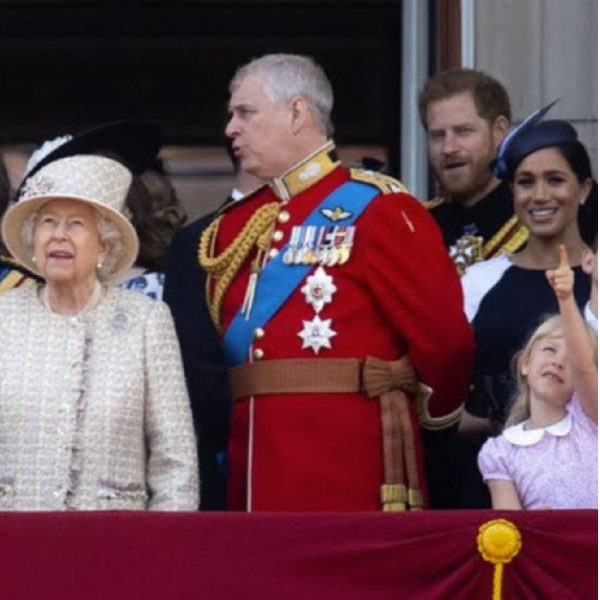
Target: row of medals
[[324, 245]]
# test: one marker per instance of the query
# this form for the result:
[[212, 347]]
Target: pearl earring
[[33, 259], [99, 264]]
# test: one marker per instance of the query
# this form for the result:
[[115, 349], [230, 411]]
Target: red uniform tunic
[[398, 293]]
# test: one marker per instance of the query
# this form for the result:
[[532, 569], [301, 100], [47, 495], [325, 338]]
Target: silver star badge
[[319, 289], [316, 334]]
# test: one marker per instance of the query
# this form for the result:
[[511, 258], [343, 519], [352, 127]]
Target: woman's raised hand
[[562, 278]]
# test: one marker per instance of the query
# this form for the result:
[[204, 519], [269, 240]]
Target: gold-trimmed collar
[[305, 173]]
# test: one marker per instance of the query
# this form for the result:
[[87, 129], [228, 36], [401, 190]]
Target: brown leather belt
[[388, 380]]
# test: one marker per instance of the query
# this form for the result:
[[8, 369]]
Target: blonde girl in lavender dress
[[547, 457]]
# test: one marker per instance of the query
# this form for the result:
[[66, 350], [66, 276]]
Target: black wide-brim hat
[[133, 142]]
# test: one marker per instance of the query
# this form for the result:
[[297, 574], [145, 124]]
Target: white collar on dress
[[519, 436]]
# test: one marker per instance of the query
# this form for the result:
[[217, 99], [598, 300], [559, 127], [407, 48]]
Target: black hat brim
[[133, 142]]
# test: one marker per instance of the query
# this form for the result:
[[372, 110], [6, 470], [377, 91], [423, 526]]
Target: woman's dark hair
[[587, 218], [579, 161], [156, 216], [578, 158]]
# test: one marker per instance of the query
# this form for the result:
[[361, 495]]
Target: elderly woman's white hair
[[107, 233], [289, 75]]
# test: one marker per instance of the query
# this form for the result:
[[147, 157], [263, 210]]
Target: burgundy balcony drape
[[421, 555]]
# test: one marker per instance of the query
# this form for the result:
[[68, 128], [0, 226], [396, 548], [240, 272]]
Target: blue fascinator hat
[[531, 135]]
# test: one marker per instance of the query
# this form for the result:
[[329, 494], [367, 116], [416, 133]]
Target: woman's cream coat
[[94, 413]]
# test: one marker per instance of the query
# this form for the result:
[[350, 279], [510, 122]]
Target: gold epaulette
[[384, 183], [434, 203], [511, 236]]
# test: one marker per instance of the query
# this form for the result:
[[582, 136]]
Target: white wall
[[542, 50]]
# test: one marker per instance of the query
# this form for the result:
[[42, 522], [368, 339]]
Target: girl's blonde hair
[[521, 409]]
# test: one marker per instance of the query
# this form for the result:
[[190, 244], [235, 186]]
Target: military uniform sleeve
[[416, 287], [172, 464]]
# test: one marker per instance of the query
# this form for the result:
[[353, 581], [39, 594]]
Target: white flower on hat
[[45, 149], [38, 186]]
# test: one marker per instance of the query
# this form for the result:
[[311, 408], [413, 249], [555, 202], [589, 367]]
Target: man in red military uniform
[[340, 310]]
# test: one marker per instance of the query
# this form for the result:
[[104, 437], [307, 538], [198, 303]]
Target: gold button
[[259, 333], [283, 216], [277, 235], [273, 252], [258, 354]]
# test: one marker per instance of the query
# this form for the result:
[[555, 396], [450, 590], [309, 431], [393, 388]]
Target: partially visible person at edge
[[550, 174], [203, 361], [589, 264], [12, 274], [466, 114], [156, 214], [96, 369], [151, 205], [316, 283], [547, 456]]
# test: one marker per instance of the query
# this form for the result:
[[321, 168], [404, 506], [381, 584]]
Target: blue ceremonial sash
[[277, 281]]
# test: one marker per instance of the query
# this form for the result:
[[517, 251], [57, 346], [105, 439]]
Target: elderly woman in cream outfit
[[94, 413]]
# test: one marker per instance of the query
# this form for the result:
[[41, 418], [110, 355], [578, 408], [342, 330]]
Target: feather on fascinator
[[133, 142], [529, 136]]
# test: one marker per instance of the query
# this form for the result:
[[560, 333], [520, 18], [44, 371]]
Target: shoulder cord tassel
[[223, 268], [263, 243]]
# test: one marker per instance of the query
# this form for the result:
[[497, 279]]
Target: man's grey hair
[[107, 232], [289, 75]]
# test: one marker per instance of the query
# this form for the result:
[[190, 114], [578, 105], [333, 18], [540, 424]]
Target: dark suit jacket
[[203, 362]]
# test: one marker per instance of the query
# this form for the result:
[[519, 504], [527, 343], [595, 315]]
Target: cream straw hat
[[96, 180]]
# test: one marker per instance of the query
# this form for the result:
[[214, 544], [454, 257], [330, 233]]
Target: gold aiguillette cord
[[263, 243]]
